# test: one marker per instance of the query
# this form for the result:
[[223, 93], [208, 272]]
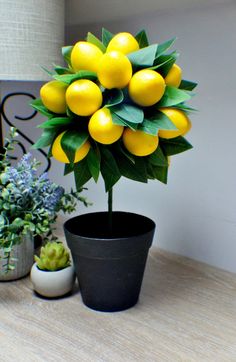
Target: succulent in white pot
[[52, 274]]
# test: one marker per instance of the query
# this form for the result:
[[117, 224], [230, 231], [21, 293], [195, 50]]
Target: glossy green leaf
[[134, 171], [49, 72], [143, 57], [71, 141], [68, 168], [187, 85], [164, 63], [56, 122], [82, 74], [157, 158], [94, 40], [175, 145], [156, 121], [112, 97], [62, 70], [119, 148], [129, 112], [183, 107], [142, 39], [173, 96], [122, 122], [93, 161], [106, 36], [38, 105], [81, 173], [158, 173], [46, 138], [163, 47], [66, 53], [109, 169]]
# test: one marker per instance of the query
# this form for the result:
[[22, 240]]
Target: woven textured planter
[[24, 255]]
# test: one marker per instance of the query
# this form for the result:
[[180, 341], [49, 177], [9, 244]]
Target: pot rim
[[124, 238], [35, 266]]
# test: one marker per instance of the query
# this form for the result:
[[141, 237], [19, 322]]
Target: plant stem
[[110, 200]]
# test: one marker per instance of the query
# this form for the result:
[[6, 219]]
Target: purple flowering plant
[[28, 203]]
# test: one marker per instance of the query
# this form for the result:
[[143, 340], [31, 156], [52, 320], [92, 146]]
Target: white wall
[[196, 212]]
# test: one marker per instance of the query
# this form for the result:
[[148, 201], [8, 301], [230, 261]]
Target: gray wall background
[[196, 212]]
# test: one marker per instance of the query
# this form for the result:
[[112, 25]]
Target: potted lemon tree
[[117, 109]]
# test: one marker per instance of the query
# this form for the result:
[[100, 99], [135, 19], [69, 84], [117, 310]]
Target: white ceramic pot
[[23, 254], [52, 284]]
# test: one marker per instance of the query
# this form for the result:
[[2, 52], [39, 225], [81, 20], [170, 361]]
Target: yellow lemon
[[124, 43], [61, 156], [114, 70], [174, 76], [85, 56], [180, 120], [146, 87], [102, 129], [83, 97], [53, 96], [139, 143]]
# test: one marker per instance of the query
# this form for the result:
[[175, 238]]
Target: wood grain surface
[[186, 312]]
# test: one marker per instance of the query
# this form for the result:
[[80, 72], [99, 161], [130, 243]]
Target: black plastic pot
[[109, 265]]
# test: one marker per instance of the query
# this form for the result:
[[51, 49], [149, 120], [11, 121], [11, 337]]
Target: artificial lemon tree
[[118, 108]]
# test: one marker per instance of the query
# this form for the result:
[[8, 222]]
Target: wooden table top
[[186, 312]]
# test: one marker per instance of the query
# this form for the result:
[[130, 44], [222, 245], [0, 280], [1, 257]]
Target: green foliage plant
[[29, 203], [53, 256], [114, 161]]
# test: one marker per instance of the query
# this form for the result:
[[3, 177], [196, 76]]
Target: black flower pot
[[109, 265]]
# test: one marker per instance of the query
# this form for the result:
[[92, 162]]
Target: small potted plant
[[52, 274], [29, 205], [117, 109]]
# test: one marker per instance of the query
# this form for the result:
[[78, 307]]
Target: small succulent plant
[[53, 256]]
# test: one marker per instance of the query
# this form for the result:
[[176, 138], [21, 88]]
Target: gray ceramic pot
[[24, 255]]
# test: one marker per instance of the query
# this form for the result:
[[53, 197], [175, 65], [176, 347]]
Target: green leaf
[[66, 52], [156, 121], [106, 37], [94, 40], [109, 169], [71, 141], [82, 74], [46, 138], [129, 112], [68, 168], [143, 57], [142, 39], [175, 145], [122, 122], [158, 173], [164, 63], [149, 127], [173, 96], [134, 171], [112, 97], [62, 70], [183, 107], [81, 173], [187, 85], [93, 161], [39, 106], [120, 149], [49, 72], [56, 122], [163, 47], [157, 158]]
